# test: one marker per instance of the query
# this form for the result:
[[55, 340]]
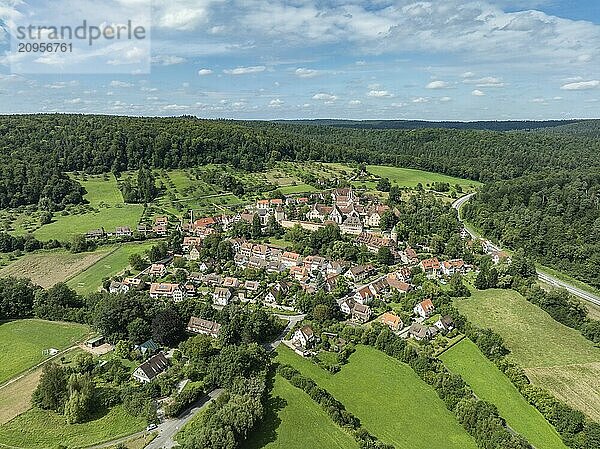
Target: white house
[[221, 296], [424, 309], [167, 290], [304, 337], [151, 368], [205, 327]]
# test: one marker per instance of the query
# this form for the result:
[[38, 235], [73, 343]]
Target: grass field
[[39, 429], [290, 412], [554, 356], [491, 385], [299, 188], [407, 177], [47, 268], [22, 342], [101, 190], [389, 399], [112, 264], [109, 211], [63, 228]]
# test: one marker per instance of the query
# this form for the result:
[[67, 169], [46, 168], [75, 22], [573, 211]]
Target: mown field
[[47, 268], [15, 396], [108, 211], [389, 399], [408, 177], [554, 356], [22, 343], [63, 228], [290, 413], [491, 385], [112, 264], [39, 429]]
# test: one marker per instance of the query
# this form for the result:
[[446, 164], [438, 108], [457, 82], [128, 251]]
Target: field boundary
[[115, 249], [451, 345]]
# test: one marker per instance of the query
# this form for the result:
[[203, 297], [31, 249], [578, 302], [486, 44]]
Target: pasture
[[81, 220], [408, 177], [22, 343], [290, 412], [491, 385], [105, 209], [46, 268], [40, 429], [112, 264], [389, 399], [554, 356]]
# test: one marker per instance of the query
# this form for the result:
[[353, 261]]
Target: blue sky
[[270, 59]]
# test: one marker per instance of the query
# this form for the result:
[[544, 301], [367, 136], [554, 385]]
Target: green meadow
[[22, 343], [389, 399], [112, 264], [490, 384], [408, 177], [554, 356]]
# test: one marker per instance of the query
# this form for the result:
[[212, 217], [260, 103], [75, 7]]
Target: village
[[269, 276]]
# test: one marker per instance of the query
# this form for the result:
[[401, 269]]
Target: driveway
[[168, 428]]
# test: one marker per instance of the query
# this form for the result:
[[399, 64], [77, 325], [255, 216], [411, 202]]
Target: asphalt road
[[168, 428], [545, 277]]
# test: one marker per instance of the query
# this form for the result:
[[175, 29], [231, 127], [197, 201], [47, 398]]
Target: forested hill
[[554, 217], [38, 149], [490, 125], [584, 128]]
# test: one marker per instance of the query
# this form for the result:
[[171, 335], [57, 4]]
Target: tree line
[[39, 149]]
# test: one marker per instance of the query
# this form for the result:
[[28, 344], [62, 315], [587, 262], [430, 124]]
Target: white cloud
[[73, 101], [204, 72], [245, 70], [487, 81], [582, 85], [379, 94], [167, 60], [468, 75], [354, 102], [445, 99], [61, 84], [175, 107], [276, 103], [181, 15], [123, 84], [420, 100], [437, 85], [324, 97], [306, 73], [478, 93]]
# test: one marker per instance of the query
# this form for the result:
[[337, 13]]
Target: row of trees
[[243, 371]]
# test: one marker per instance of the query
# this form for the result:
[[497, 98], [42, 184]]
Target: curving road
[[545, 277]]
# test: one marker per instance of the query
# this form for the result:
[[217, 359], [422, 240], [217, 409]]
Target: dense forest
[[554, 216], [38, 149]]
